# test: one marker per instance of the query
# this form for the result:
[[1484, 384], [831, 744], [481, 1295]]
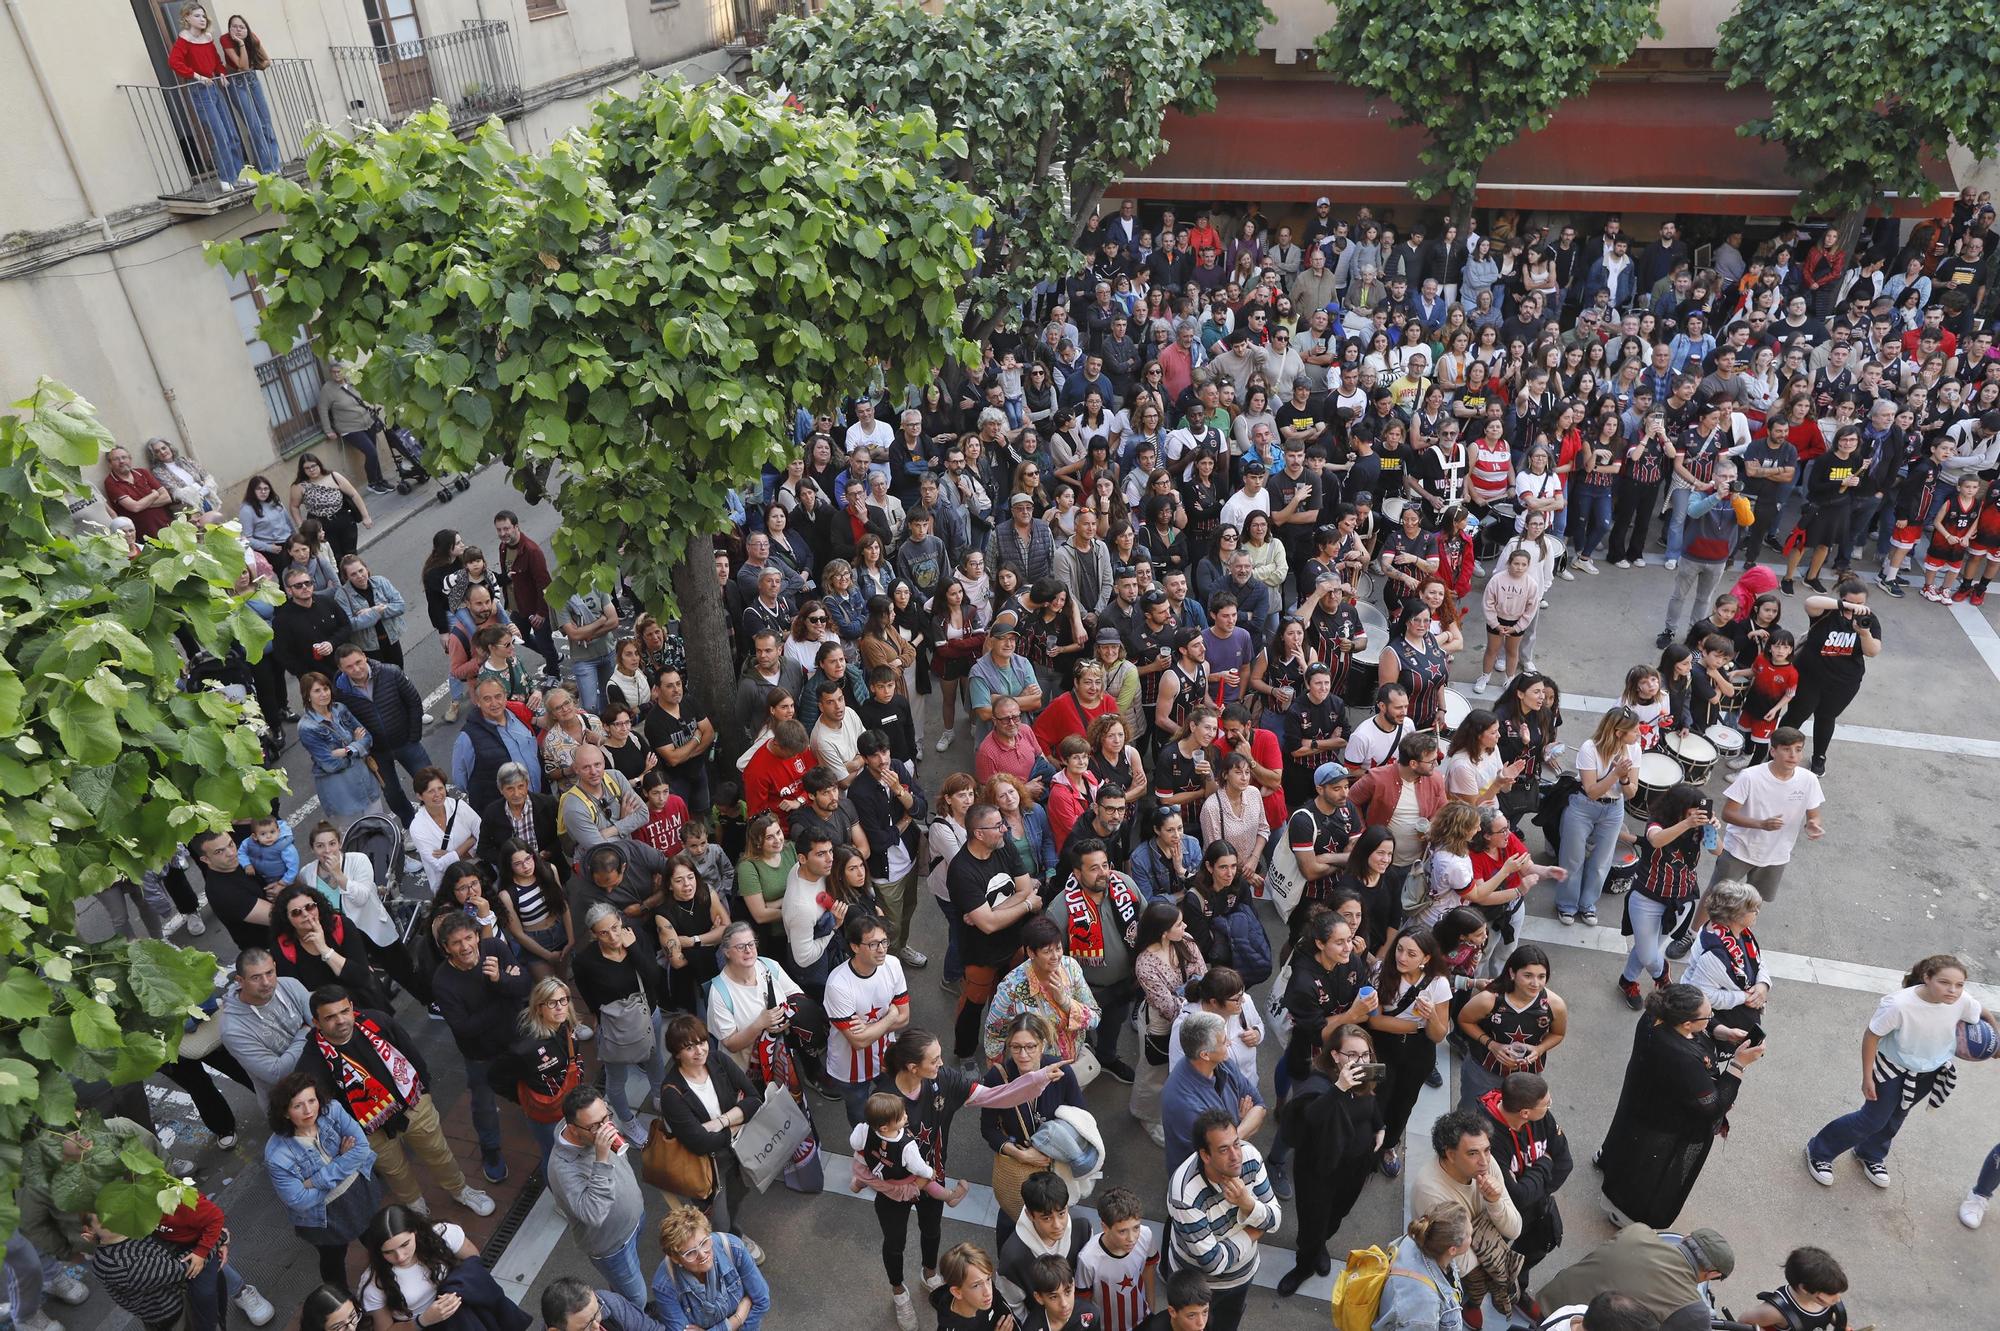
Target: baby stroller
[[381, 839], [407, 452]]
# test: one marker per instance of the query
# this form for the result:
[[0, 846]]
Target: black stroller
[[407, 452], [381, 838]]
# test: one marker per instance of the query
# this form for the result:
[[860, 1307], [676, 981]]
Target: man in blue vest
[[492, 737]]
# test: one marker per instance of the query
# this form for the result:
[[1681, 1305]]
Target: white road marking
[[1984, 640], [528, 1251], [1915, 740], [1793, 966], [310, 804]]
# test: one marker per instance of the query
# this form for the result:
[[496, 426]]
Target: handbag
[[771, 1138], [625, 1030], [1009, 1173], [546, 1106], [1085, 1066], [670, 1166]]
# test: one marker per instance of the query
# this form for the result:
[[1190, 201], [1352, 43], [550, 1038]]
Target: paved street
[[1902, 872]]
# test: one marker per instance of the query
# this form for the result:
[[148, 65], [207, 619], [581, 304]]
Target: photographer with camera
[[1715, 512]]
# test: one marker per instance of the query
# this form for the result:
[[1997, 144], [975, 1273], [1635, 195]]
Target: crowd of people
[[1194, 558]]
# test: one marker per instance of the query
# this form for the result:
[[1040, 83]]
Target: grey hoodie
[[601, 1199], [267, 1040]]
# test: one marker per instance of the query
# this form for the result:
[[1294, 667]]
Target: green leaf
[[168, 980], [23, 996], [18, 1081], [94, 1024], [128, 1207]]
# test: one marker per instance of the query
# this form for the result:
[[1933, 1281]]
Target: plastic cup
[[1366, 991]]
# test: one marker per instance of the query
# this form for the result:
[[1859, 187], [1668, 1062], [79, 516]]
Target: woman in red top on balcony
[[198, 60], [243, 55]]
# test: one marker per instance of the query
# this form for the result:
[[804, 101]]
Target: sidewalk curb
[[370, 535]]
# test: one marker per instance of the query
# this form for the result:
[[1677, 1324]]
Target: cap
[[1326, 772], [1320, 200], [1003, 624], [1021, 497], [1110, 635], [1710, 1252]]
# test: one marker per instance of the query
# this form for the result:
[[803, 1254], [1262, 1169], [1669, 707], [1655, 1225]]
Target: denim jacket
[[322, 737], [1411, 1304], [688, 1303], [302, 1178], [377, 624]]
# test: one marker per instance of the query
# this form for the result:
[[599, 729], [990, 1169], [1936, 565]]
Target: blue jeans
[[412, 758], [853, 1096], [247, 91], [545, 1138], [591, 677], [621, 1270], [209, 1294], [1650, 919], [1677, 516], [1989, 1174], [213, 109], [485, 1110], [1593, 519], [1871, 513], [1868, 1131], [1589, 840]]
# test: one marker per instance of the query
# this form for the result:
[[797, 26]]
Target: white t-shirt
[[1371, 746], [1467, 775], [733, 1006], [1763, 795], [857, 1000], [1917, 1034], [835, 745], [415, 1282], [880, 437], [1117, 1285], [1242, 1054], [1590, 766]]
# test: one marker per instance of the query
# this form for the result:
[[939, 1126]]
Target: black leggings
[[1410, 1058], [1324, 1201], [1823, 700], [333, 1263], [894, 1217], [1631, 514]]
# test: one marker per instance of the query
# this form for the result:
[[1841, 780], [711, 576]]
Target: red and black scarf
[[1738, 951], [1086, 921], [372, 1104]]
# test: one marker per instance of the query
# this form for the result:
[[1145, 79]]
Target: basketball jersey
[[1957, 523], [1117, 1285]]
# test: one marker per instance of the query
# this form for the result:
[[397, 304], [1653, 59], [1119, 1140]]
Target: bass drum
[[1362, 674]]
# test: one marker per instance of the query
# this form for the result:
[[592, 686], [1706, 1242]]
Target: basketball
[[1977, 1041]]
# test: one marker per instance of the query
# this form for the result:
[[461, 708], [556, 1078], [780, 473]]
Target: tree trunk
[[1849, 229], [711, 684]]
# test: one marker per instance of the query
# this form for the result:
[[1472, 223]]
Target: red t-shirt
[[1065, 717], [662, 831], [1484, 866], [768, 780], [150, 521]]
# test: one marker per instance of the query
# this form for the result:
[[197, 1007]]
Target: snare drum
[[1694, 753], [1728, 741], [1657, 774], [1454, 708], [1624, 871], [1392, 510]]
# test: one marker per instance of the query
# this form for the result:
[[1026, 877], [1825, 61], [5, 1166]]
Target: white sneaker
[[1739, 762], [427, 718], [1640, 562], [906, 1311], [43, 1322], [1972, 1210], [473, 1200], [255, 1306], [422, 1205], [750, 1246], [1567, 576], [944, 742], [172, 925], [1479, 685], [1587, 565], [227, 1141], [1157, 1134], [1624, 563], [1672, 564], [1527, 667], [933, 1281], [66, 1288], [195, 927]]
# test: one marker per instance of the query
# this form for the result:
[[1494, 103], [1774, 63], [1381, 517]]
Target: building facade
[[114, 186]]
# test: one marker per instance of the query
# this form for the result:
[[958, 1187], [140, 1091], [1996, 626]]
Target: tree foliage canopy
[[1475, 79], [106, 767], [644, 307], [1860, 90], [1056, 101]]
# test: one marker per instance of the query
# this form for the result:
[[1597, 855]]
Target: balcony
[[755, 18], [471, 72], [198, 135]]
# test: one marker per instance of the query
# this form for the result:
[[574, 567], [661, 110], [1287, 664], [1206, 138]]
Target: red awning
[[1625, 146]]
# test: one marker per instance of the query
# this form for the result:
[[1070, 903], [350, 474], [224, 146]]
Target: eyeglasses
[[815, 619], [991, 827], [689, 1254]]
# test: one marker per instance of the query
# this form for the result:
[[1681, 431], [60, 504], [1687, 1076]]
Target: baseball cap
[[1107, 634], [1021, 497], [1320, 200], [1326, 772], [1710, 1252]]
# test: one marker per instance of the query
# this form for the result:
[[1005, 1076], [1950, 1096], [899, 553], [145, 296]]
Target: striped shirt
[[1208, 1229], [1116, 1286], [145, 1277]]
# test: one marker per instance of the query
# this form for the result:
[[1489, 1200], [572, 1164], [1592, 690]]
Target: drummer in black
[[1151, 645], [1414, 659], [1317, 732], [1832, 658]]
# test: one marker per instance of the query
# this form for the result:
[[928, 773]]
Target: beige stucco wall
[[1685, 24], [666, 32]]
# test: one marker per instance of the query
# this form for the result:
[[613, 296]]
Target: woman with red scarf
[[318, 946]]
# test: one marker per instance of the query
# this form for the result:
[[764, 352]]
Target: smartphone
[[1373, 1071]]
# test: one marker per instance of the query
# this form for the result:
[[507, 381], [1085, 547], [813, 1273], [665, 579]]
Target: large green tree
[[1057, 101], [106, 766], [642, 308], [1475, 78], [1861, 91]]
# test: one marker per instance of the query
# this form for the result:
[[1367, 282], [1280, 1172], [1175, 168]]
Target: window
[[290, 381], [545, 8], [392, 23]]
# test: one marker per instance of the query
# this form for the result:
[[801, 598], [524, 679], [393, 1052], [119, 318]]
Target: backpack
[[1357, 1290], [614, 783], [1417, 884]]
